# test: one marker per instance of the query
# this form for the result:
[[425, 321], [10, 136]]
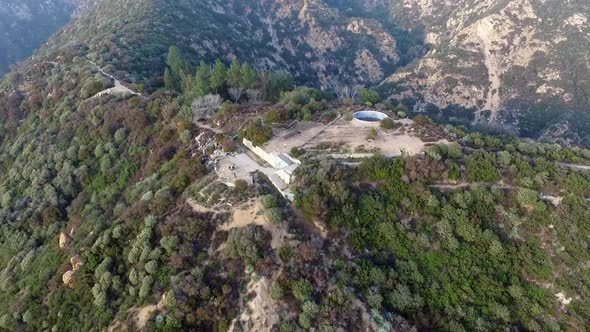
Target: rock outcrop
[[489, 54], [76, 262], [64, 240], [68, 278]]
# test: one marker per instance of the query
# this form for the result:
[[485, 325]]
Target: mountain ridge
[[474, 67], [301, 36], [499, 56]]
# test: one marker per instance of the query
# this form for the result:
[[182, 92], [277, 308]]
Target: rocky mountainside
[[129, 200], [521, 64], [500, 57], [27, 24], [312, 39]]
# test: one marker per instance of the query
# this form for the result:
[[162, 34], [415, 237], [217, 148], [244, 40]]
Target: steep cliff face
[[27, 24], [495, 55]]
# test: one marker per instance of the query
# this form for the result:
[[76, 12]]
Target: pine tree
[[178, 68], [234, 80], [176, 62], [168, 79], [188, 85], [234, 75], [248, 77], [218, 76], [202, 84], [279, 81]]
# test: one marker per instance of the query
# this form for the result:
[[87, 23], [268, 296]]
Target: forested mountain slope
[[309, 38], [520, 64], [113, 216]]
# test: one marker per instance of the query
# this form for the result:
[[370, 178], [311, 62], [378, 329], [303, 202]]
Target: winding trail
[[575, 166], [451, 187], [555, 200], [119, 88]]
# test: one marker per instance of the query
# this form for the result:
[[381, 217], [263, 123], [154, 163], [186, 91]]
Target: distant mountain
[[315, 41], [521, 65], [523, 62], [27, 24], [495, 61]]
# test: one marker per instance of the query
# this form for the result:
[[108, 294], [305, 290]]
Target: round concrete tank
[[368, 118]]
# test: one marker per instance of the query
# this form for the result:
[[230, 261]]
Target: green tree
[[248, 77], [274, 84], [146, 286], [218, 76], [240, 186], [277, 292], [151, 267], [454, 172], [452, 150], [235, 81], [234, 75], [388, 123], [274, 215], [169, 81], [178, 68], [369, 96], [482, 168], [202, 82], [258, 133], [302, 289], [269, 201]]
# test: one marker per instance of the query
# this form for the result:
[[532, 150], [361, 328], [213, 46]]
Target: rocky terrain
[[131, 198], [314, 41], [518, 64], [499, 57]]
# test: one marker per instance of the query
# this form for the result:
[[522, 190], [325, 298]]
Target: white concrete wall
[[284, 176], [270, 158], [285, 168]]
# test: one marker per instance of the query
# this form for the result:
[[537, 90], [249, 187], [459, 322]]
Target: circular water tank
[[371, 118]]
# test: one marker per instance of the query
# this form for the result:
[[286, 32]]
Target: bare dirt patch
[[142, 315], [345, 136], [240, 167], [261, 309], [252, 213], [198, 207]]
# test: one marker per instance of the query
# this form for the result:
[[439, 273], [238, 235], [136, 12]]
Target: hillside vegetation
[[100, 226], [113, 215]]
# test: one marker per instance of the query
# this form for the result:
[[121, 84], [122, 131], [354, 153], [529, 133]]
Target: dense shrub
[[258, 133], [389, 124]]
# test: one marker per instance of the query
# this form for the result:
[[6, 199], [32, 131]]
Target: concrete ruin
[[345, 139], [279, 167], [284, 167]]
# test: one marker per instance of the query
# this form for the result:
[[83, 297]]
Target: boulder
[[76, 262], [68, 278], [64, 240]]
